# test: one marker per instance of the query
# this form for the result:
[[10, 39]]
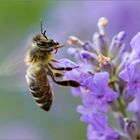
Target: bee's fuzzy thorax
[[35, 55], [39, 37]]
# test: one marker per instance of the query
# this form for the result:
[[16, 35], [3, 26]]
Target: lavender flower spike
[[110, 84]]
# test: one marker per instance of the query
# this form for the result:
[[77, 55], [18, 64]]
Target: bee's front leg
[[62, 68]]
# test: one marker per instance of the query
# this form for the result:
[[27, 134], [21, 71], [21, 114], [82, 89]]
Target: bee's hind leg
[[71, 83]]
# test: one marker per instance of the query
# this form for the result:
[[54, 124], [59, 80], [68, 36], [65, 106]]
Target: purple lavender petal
[[111, 95], [101, 79], [75, 92], [99, 94], [111, 135], [76, 74], [93, 135], [88, 99], [87, 55], [88, 46], [89, 82], [97, 121], [124, 74], [97, 83], [72, 75], [117, 46], [66, 62], [101, 43], [131, 74]]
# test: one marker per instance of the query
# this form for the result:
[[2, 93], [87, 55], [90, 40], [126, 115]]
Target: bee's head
[[42, 42]]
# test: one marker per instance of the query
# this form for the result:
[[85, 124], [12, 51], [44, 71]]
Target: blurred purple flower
[[82, 24], [98, 126], [105, 135]]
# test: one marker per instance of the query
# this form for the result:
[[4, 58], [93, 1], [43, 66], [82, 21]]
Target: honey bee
[[39, 59]]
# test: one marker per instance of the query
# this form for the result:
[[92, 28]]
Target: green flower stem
[[121, 107]]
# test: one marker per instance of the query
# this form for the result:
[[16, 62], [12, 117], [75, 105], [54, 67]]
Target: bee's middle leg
[[58, 74]]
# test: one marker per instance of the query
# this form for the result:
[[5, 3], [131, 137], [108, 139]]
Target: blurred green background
[[20, 117]]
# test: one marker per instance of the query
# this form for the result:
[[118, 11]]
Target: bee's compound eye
[[41, 43], [50, 41]]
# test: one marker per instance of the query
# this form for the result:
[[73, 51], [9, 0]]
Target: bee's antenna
[[41, 26], [43, 32]]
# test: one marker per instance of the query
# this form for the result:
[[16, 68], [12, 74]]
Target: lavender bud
[[88, 46], [131, 128], [102, 23], [90, 57], [101, 42], [117, 45], [121, 35], [87, 55], [72, 40]]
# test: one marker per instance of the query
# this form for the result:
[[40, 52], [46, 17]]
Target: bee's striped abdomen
[[39, 87]]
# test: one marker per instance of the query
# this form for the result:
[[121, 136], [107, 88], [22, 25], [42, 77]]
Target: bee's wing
[[11, 65], [14, 63]]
